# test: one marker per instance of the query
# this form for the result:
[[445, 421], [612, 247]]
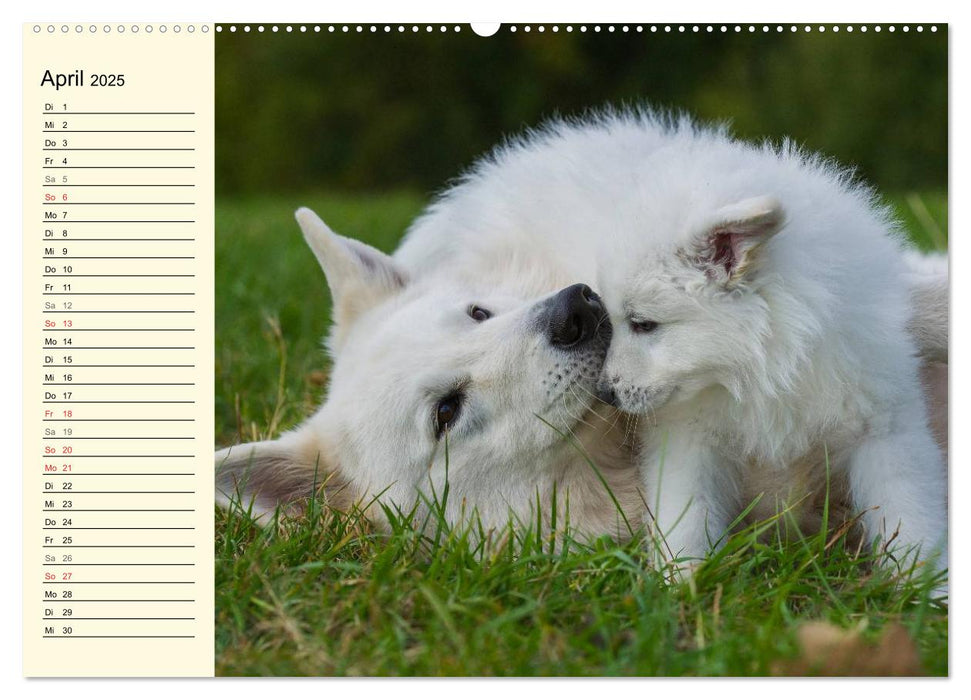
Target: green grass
[[326, 595], [924, 218]]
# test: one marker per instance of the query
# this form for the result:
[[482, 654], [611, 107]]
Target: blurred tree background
[[374, 111]]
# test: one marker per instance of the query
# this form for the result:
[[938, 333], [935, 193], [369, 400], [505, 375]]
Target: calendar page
[[118, 329], [475, 350]]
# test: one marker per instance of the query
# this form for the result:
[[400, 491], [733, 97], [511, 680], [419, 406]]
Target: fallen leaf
[[828, 650]]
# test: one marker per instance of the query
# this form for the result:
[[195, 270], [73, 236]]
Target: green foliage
[[364, 111]]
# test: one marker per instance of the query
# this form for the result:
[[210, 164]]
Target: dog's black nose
[[576, 314]]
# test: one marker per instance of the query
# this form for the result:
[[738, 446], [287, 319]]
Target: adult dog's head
[[432, 381]]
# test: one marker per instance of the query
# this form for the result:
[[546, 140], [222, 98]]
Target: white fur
[[803, 346]]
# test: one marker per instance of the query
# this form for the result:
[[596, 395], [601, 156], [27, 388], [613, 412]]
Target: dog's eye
[[446, 413], [478, 314], [643, 326]]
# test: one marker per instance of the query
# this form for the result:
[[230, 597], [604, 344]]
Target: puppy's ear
[[727, 246], [284, 473], [360, 277]]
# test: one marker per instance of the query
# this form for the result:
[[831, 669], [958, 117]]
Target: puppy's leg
[[690, 497], [898, 479]]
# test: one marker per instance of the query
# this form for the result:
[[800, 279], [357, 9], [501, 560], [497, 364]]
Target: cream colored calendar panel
[[118, 348]]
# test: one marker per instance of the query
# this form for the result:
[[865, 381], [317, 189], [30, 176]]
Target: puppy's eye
[[643, 326], [478, 314], [446, 413]]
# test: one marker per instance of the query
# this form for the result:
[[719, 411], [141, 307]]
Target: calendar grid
[[118, 355]]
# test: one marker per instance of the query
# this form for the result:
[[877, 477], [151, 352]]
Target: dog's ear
[[728, 243], [262, 476], [360, 277]]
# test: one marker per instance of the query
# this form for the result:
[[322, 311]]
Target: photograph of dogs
[[682, 379], [764, 374]]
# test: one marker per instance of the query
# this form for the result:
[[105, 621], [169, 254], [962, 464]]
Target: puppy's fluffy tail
[[927, 277]]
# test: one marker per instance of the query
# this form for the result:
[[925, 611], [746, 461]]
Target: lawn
[[326, 595]]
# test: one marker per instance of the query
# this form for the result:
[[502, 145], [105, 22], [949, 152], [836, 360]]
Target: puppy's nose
[[575, 315]]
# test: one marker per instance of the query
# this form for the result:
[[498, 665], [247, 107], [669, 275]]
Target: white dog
[[450, 376], [462, 335]]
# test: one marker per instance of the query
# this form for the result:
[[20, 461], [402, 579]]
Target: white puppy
[[761, 319]]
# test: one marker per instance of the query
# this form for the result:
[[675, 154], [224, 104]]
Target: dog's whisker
[[573, 406], [576, 419], [592, 407]]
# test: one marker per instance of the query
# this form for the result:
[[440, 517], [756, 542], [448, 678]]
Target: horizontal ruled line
[[72, 564], [118, 528], [118, 257], [119, 294], [117, 366], [121, 600], [119, 636], [119, 401], [183, 492], [120, 438], [120, 184], [118, 149], [118, 384], [51, 240], [115, 204], [72, 617], [113, 510], [123, 221], [75, 583], [128, 113], [118, 167], [118, 131], [118, 546], [73, 474], [138, 276], [119, 420]]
